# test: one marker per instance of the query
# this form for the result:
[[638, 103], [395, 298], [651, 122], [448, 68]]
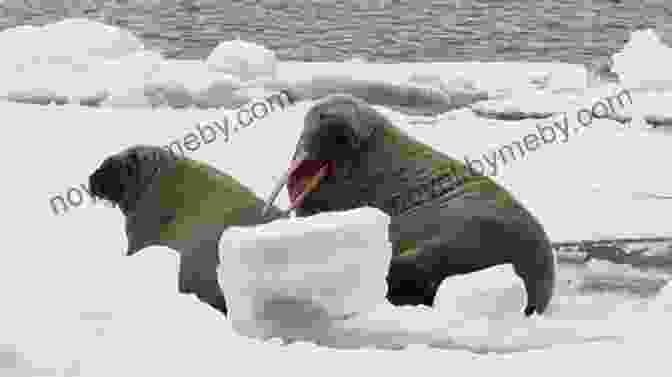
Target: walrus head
[[350, 155], [124, 177], [330, 154]]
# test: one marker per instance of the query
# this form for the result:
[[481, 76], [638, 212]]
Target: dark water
[[574, 31]]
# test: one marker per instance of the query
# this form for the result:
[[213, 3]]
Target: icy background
[[72, 305]]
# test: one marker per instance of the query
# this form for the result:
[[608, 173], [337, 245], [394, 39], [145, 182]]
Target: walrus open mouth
[[334, 138], [302, 178]]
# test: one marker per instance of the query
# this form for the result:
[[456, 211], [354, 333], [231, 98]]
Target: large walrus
[[179, 203], [446, 220]]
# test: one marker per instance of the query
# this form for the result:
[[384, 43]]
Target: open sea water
[[571, 31]]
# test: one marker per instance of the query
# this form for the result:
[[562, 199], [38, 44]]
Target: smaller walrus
[[444, 220], [179, 203]]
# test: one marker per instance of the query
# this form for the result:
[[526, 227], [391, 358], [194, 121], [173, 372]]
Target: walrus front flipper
[[410, 284], [198, 275]]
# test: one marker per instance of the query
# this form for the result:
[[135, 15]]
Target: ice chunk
[[74, 40], [292, 277], [642, 62], [245, 60], [492, 293], [125, 78], [84, 37], [43, 83]]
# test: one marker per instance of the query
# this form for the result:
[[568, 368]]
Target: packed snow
[[72, 305]]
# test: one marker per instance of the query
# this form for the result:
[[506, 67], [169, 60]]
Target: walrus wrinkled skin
[[349, 155], [181, 204]]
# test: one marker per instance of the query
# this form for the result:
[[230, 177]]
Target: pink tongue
[[301, 174]]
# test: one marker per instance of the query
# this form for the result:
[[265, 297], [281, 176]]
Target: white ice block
[[494, 292], [243, 59], [292, 277]]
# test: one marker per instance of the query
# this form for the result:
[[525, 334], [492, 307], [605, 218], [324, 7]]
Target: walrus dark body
[[467, 224], [182, 204]]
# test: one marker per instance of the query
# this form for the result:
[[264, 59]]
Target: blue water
[[574, 31]]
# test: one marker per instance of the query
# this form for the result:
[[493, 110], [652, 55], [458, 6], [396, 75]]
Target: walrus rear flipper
[[539, 293], [539, 279]]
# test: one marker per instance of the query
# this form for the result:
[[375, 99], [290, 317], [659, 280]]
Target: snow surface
[[72, 305]]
